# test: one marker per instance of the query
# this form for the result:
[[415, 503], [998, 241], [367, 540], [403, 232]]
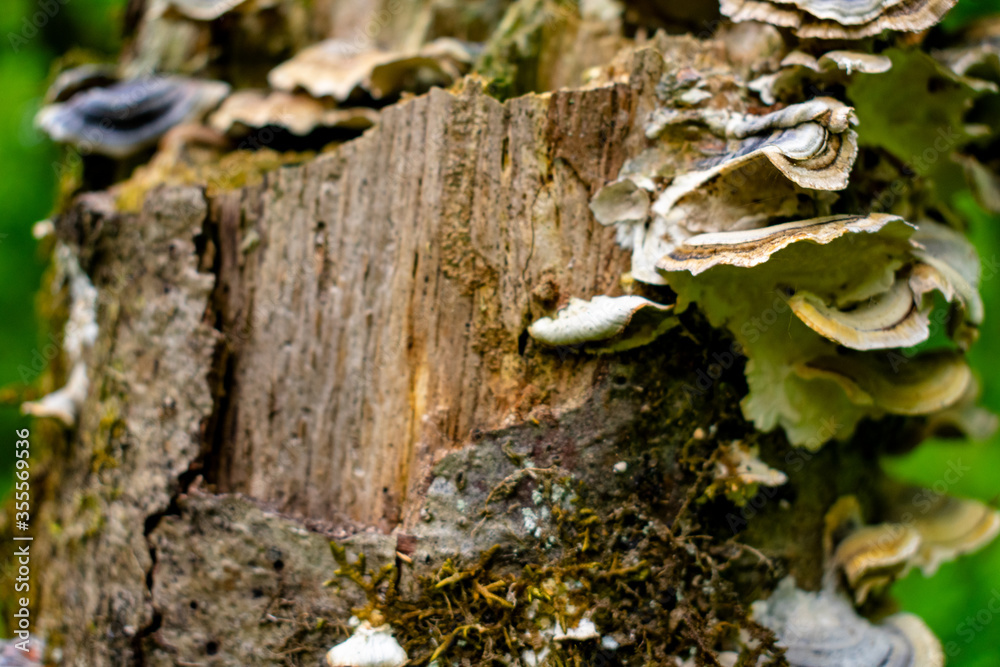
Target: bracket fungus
[[299, 114], [966, 419], [605, 324], [921, 385], [873, 556], [799, 70], [125, 118], [77, 79], [922, 533], [824, 347], [204, 10], [368, 647], [63, 404], [621, 202], [809, 145], [840, 19], [822, 629], [739, 472], [80, 335], [335, 68], [890, 319], [951, 527], [789, 318]]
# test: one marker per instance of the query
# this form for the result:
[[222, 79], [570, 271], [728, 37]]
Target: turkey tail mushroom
[[125, 118], [822, 630], [840, 19]]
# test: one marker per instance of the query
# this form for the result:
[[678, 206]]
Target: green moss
[[515, 58]]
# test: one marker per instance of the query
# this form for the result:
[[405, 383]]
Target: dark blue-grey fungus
[[72, 81], [124, 118]]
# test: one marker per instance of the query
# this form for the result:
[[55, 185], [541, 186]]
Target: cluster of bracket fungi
[[121, 111], [824, 306]]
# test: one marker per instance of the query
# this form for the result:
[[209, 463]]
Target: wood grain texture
[[381, 314]]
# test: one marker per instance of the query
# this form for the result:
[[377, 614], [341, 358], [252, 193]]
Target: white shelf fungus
[[63, 404], [822, 630], [799, 70], [873, 556], [204, 10], [368, 647], [951, 528], [80, 335], [605, 324]]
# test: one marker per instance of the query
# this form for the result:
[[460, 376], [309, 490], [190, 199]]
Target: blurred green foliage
[[32, 35], [964, 589], [956, 595]]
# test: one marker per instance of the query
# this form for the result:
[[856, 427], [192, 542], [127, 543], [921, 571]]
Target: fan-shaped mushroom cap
[[872, 556], [893, 318], [951, 528], [966, 419], [930, 529], [336, 69], [977, 60], [900, 316], [331, 68], [438, 63], [956, 260], [127, 117], [368, 647], [204, 10], [828, 112], [799, 69], [605, 323], [749, 248], [840, 19], [924, 384], [764, 285], [823, 630], [855, 61], [299, 114], [810, 143]]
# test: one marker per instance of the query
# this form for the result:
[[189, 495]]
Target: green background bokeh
[[961, 591]]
